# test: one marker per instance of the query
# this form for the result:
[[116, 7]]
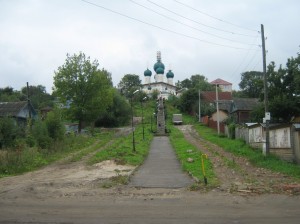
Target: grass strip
[[185, 150]]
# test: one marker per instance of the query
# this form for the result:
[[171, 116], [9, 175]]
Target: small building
[[20, 111], [223, 85], [241, 108]]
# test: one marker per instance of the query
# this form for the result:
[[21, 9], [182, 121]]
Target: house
[[20, 111], [223, 85], [241, 108], [224, 103], [210, 96]]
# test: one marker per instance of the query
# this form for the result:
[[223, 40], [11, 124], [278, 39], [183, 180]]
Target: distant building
[[163, 84], [20, 111], [223, 85]]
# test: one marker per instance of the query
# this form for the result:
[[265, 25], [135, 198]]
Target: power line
[[161, 28], [226, 31], [244, 58], [220, 37], [221, 20]]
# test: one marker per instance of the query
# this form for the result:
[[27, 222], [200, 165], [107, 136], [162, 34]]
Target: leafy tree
[[118, 114], [128, 84], [88, 89], [186, 83], [201, 82], [8, 94], [188, 101], [197, 82], [39, 98], [252, 84], [283, 91]]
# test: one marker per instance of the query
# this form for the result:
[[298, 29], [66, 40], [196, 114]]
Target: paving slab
[[161, 168]]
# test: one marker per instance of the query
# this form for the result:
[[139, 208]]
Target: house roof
[[220, 82], [210, 96], [245, 104], [11, 108], [225, 105]]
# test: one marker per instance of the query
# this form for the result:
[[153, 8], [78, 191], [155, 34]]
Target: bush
[[40, 134], [8, 132], [55, 127]]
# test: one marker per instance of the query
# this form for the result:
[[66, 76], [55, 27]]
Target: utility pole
[[217, 99], [199, 106], [265, 90], [28, 100]]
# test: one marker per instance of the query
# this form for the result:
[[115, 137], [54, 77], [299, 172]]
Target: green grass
[[102, 139], [122, 149], [240, 148], [13, 162], [182, 148]]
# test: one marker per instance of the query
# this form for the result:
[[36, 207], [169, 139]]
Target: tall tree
[[284, 100], [197, 82], [87, 88], [251, 84], [128, 84]]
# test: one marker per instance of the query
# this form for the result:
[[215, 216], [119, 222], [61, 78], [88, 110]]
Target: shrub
[[40, 134], [8, 132], [55, 127]]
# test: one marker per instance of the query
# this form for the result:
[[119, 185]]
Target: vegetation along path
[[68, 177], [237, 174]]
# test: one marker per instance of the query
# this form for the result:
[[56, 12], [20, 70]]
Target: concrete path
[[161, 168]]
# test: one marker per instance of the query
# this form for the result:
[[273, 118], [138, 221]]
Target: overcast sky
[[215, 38]]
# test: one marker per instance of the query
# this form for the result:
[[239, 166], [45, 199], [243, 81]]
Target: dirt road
[[236, 174], [67, 193]]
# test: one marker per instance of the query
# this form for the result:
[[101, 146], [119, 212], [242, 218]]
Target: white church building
[[161, 83]]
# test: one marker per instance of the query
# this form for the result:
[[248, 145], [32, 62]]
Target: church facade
[[163, 84]]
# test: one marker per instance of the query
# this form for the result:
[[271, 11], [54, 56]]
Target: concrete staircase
[[161, 123]]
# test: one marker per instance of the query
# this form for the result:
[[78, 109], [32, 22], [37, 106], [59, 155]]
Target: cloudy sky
[[215, 38]]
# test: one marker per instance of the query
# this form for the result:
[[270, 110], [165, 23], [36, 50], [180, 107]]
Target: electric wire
[[161, 28], [244, 58], [221, 20], [226, 31], [189, 25]]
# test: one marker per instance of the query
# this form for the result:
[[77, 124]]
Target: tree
[[201, 82], [88, 89], [188, 101], [39, 98], [252, 84], [128, 84], [195, 82], [283, 92], [117, 114], [8, 94]]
